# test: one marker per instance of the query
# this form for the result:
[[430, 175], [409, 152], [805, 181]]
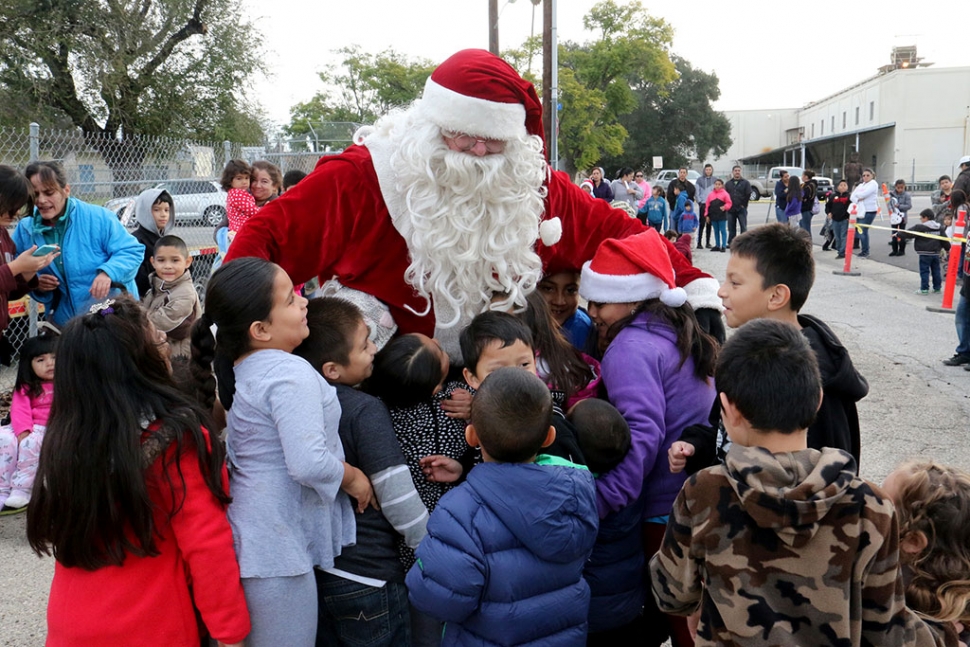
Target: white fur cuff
[[702, 293]]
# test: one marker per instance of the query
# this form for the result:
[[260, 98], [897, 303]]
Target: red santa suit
[[339, 222]]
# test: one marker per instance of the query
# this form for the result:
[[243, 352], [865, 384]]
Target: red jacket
[[335, 222], [148, 600], [11, 287]]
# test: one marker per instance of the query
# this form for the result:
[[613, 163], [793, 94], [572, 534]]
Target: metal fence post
[[34, 142], [32, 316], [226, 152]]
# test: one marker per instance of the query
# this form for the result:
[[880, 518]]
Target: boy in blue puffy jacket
[[509, 544], [654, 211]]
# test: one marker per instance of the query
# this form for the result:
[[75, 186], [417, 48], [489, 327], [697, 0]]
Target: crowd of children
[[603, 476]]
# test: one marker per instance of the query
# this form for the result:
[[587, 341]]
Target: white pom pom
[[362, 133], [550, 231], [674, 298]]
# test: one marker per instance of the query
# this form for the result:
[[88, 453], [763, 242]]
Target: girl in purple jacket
[[657, 368]]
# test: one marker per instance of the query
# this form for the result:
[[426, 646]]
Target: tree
[[676, 122], [117, 68], [598, 80], [363, 88]]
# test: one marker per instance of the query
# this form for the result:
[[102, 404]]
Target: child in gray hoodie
[[155, 214]]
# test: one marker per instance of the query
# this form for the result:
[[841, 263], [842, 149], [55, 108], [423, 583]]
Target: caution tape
[[909, 233]]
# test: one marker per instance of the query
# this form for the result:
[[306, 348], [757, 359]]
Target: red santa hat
[[477, 93], [630, 270]]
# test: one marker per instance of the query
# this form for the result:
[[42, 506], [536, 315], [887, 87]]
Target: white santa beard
[[470, 223]]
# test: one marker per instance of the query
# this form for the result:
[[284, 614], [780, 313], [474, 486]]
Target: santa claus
[[446, 208]]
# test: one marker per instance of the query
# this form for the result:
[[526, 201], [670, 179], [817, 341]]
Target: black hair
[[809, 173], [568, 370], [91, 504], [927, 213], [292, 178], [957, 199], [27, 380], [899, 181], [794, 189], [624, 170], [512, 413], [172, 241], [51, 173], [602, 432], [15, 190], [692, 341], [782, 256], [333, 324], [768, 370], [943, 177], [238, 294], [405, 373], [234, 168], [489, 327]]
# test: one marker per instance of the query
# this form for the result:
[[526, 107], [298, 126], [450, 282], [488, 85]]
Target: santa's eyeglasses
[[465, 142]]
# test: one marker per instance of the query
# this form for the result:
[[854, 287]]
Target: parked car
[[825, 188], [196, 201], [665, 176]]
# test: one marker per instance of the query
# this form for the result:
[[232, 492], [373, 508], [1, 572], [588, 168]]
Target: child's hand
[[27, 264], [100, 286], [21, 436], [357, 485], [693, 620], [677, 456], [458, 405], [441, 469]]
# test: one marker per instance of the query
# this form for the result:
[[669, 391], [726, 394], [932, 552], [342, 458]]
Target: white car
[[665, 177], [196, 201]]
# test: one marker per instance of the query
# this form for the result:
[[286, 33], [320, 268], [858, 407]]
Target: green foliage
[[118, 67], [598, 79], [676, 122], [363, 88]]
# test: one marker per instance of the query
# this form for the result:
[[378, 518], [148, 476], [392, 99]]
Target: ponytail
[[239, 293]]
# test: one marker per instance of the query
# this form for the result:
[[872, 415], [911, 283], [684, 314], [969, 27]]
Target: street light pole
[[493, 26], [550, 80]]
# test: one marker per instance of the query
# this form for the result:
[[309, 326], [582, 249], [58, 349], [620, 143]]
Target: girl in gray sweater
[[289, 481]]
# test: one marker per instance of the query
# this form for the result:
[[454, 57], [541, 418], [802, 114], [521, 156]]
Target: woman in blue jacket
[[96, 250]]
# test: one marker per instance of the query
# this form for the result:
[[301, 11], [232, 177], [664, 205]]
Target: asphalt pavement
[[917, 408]]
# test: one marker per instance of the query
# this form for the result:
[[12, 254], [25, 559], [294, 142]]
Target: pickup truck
[[764, 186]]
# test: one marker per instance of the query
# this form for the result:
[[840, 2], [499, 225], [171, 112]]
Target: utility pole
[[550, 80], [493, 26]]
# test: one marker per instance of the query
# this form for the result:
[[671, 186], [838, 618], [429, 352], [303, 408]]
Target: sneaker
[[17, 500], [864, 255], [7, 510], [840, 256], [958, 360], [922, 292], [937, 291], [721, 249]]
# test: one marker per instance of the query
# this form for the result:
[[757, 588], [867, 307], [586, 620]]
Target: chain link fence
[[111, 172]]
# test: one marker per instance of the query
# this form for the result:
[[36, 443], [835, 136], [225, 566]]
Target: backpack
[[688, 222]]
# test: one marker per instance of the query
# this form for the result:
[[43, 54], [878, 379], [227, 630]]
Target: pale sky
[[766, 54]]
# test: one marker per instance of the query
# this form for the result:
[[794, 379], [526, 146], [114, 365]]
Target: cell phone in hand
[[44, 250]]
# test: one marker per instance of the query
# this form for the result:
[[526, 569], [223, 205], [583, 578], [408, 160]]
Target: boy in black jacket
[[928, 250], [769, 276], [837, 208]]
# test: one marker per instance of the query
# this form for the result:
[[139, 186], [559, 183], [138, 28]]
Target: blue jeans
[[352, 613], [866, 220], [929, 264], [963, 327], [720, 233], [840, 230], [780, 215], [806, 223]]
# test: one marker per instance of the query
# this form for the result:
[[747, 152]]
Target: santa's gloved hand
[[712, 323]]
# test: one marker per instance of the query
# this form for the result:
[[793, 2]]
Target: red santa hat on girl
[[477, 93], [630, 270]]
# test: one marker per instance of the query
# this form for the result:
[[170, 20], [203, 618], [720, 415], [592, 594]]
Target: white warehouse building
[[908, 122]]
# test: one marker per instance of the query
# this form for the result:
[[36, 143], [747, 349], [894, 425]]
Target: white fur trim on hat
[[550, 231], [471, 115], [628, 288], [702, 293]]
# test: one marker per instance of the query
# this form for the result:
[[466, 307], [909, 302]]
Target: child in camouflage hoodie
[[782, 545]]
